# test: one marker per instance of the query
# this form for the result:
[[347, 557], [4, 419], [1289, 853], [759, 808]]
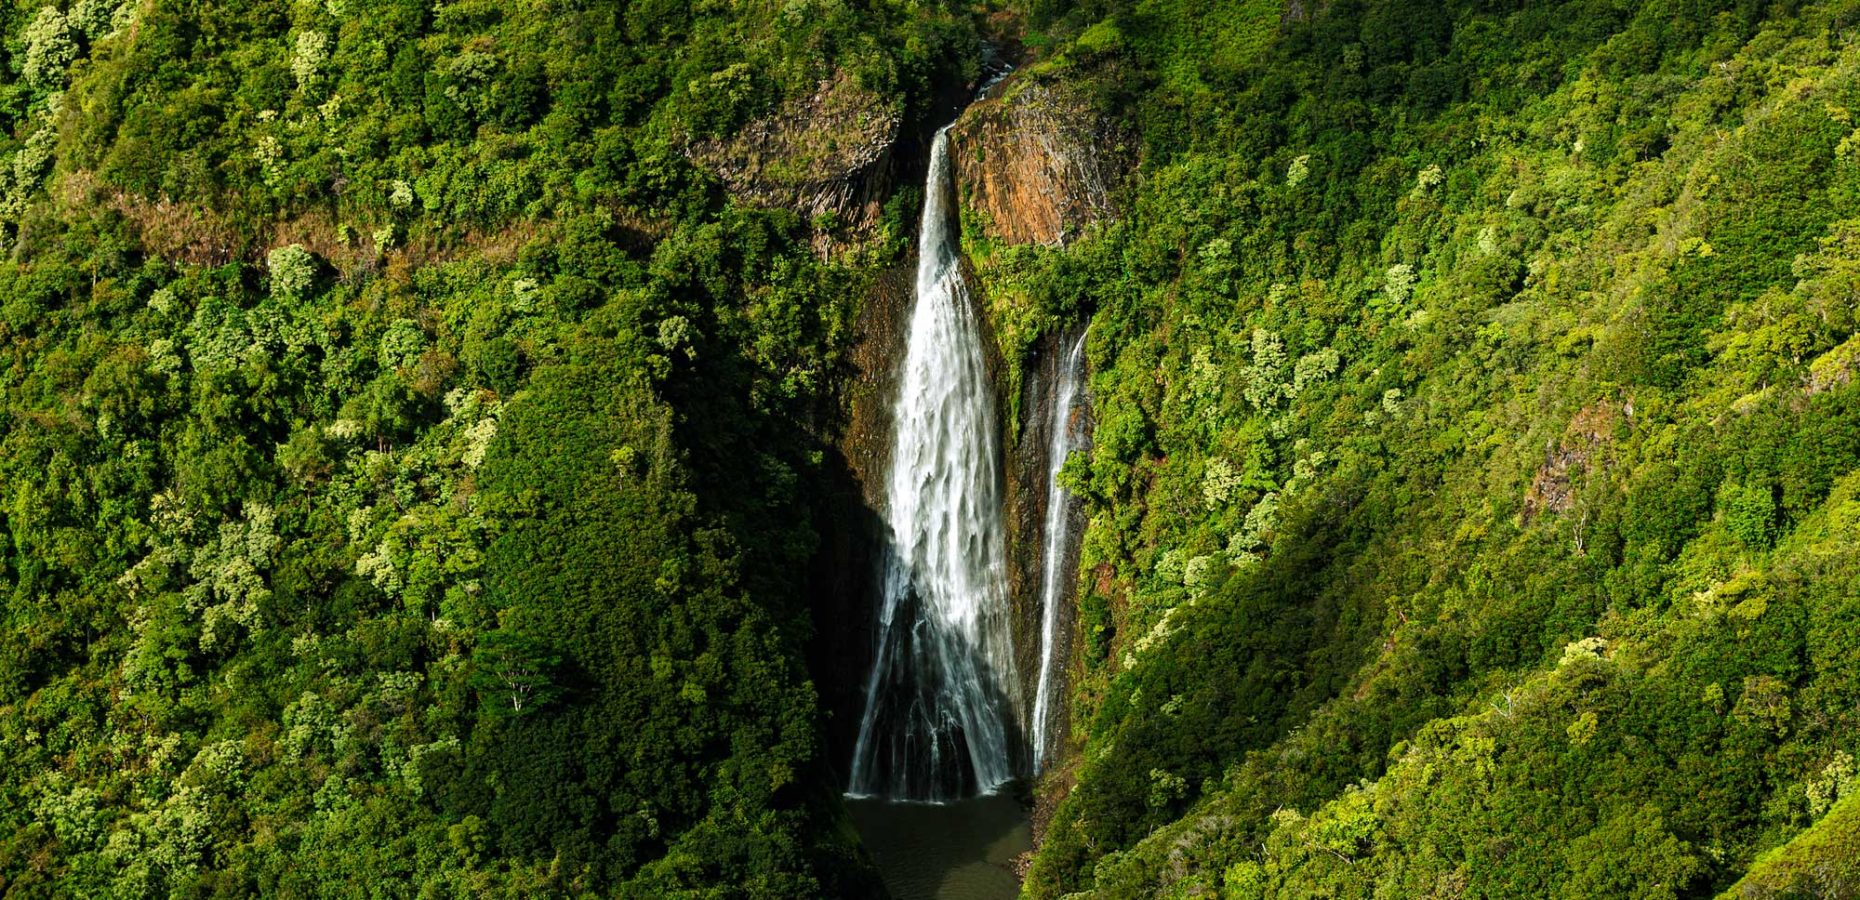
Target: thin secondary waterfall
[[941, 717], [1058, 531]]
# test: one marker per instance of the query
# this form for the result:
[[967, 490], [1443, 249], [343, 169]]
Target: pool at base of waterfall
[[946, 851]]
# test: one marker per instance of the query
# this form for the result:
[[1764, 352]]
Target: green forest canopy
[[408, 452]]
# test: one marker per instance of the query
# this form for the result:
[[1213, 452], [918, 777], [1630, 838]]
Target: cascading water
[[1058, 532], [941, 715]]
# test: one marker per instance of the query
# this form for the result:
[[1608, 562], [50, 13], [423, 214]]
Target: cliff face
[[1028, 462], [1034, 163], [846, 569], [825, 155]]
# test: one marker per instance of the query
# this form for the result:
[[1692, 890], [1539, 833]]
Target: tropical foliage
[[1473, 486], [413, 432], [377, 381]]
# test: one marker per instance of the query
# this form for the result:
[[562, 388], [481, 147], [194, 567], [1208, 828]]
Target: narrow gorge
[[960, 707]]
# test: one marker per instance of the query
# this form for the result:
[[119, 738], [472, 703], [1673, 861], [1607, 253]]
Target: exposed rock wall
[[1034, 163], [845, 573], [1553, 488], [826, 155], [1027, 464]]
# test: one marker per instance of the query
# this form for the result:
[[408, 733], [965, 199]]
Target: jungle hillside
[[438, 439]]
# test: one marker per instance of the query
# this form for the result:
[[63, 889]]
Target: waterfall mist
[[941, 717]]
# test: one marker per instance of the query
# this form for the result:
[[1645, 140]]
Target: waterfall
[[1053, 582], [941, 718]]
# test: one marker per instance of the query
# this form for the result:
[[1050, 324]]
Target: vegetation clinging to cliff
[[1475, 446]]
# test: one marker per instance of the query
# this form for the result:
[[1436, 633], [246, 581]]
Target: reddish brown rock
[[1034, 163]]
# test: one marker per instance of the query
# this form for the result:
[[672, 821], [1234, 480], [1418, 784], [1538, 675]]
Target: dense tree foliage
[[402, 447], [1473, 491], [410, 428]]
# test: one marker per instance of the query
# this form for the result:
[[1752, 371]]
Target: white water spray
[[941, 708], [1056, 576]]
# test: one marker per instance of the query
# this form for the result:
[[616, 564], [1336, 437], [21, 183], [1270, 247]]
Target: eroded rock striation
[[1034, 163], [827, 155]]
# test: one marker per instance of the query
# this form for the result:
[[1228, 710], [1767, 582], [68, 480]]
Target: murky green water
[[955, 851]]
